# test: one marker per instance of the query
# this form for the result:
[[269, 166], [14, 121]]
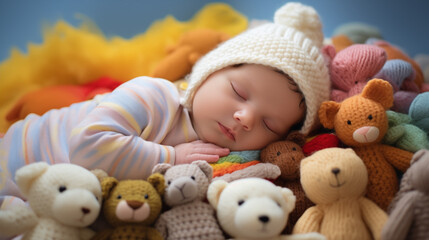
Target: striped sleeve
[[122, 135]]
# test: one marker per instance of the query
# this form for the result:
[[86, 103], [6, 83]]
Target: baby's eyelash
[[266, 125], [236, 92]]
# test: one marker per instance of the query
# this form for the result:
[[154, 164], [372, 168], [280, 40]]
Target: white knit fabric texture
[[291, 44]]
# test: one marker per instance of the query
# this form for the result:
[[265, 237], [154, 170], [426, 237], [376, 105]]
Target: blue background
[[401, 22]]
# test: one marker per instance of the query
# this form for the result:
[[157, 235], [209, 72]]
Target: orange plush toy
[[54, 97], [361, 123], [181, 57]]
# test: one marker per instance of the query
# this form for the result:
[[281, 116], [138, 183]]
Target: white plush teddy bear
[[254, 208], [64, 199]]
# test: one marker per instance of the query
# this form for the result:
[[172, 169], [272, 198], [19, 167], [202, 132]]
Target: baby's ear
[[158, 182], [327, 112], [161, 168], [26, 175], [215, 190]]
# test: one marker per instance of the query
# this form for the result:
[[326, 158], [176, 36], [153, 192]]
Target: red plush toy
[[54, 97]]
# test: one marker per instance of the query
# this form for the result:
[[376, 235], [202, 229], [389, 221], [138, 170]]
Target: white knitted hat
[[291, 44]]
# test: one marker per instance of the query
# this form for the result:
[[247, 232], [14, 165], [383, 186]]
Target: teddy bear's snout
[[366, 134]]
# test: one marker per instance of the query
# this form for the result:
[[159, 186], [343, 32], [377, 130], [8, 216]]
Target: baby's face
[[245, 107]]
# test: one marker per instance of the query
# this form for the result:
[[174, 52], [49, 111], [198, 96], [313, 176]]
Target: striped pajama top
[[126, 133]]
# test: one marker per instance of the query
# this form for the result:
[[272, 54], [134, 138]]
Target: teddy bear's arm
[[161, 226], [17, 220], [304, 236], [86, 233], [154, 234], [399, 158], [373, 216], [309, 221], [101, 235], [400, 219]]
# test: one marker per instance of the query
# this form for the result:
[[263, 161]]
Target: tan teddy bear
[[131, 207], [361, 122], [335, 179]]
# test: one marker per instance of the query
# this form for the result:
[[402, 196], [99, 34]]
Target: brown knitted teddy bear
[[409, 209], [186, 188], [287, 155], [335, 179], [131, 207], [361, 123]]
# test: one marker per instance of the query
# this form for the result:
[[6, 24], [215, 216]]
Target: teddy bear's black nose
[[85, 210], [264, 218], [335, 171]]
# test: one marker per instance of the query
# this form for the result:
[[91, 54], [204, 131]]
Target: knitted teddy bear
[[287, 154], [254, 208], [409, 210], [335, 179], [191, 46], [351, 68], [185, 191], [131, 207], [63, 200], [361, 123]]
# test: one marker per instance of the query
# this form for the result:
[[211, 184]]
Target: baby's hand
[[198, 150]]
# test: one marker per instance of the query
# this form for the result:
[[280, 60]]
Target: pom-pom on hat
[[291, 44]]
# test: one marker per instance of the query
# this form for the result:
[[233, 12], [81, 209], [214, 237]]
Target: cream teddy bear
[[335, 179], [64, 199], [254, 208]]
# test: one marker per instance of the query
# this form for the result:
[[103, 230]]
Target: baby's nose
[[246, 118]]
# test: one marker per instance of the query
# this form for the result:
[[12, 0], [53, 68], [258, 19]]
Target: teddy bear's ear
[[214, 192], [289, 198], [327, 112], [296, 137], [161, 168], [26, 175], [107, 184], [379, 91], [158, 182], [205, 167]]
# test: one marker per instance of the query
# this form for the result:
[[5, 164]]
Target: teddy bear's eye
[[294, 148], [146, 196], [62, 188], [193, 178], [119, 197], [240, 202], [349, 122], [370, 117], [279, 153], [169, 182]]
